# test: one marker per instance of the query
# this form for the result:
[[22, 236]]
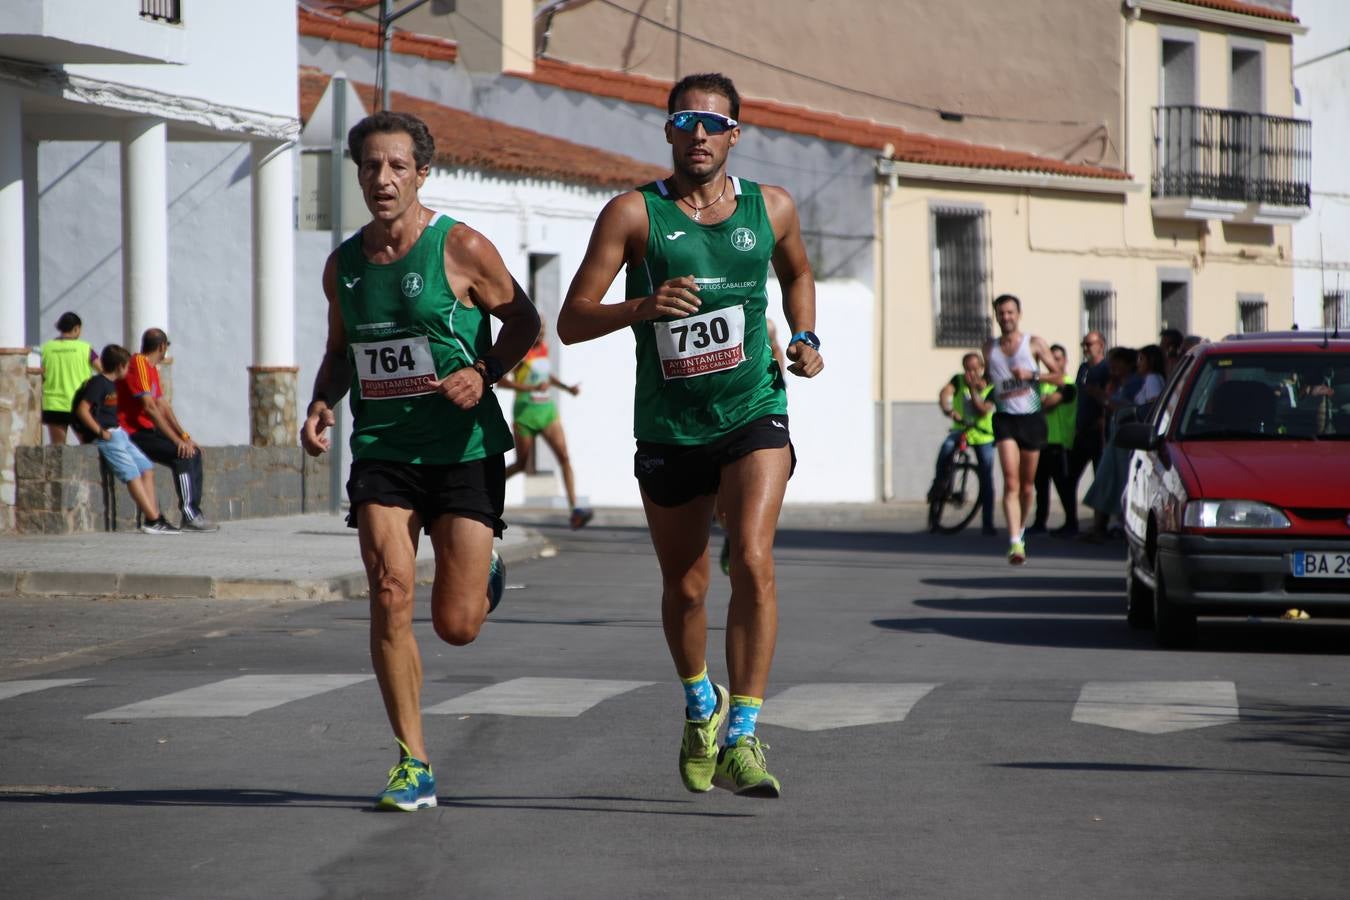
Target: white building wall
[[240, 54], [1323, 85], [210, 268]]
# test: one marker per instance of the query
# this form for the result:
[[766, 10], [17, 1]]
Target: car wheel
[[1138, 600], [1173, 626]]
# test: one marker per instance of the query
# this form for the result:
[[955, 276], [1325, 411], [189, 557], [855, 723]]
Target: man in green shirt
[[966, 400], [710, 411], [1060, 403], [409, 297]]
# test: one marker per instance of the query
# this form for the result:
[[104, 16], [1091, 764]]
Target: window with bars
[[1251, 313], [1099, 311], [1335, 310], [170, 11], [961, 276]]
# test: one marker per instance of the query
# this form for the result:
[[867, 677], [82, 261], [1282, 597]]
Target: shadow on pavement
[[240, 797], [1048, 606], [1216, 635], [1078, 584], [585, 803], [1152, 768]]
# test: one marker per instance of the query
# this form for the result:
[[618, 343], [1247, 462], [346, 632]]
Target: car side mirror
[[1137, 436]]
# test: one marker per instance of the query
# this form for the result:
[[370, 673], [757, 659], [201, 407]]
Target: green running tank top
[[707, 374], [403, 324]]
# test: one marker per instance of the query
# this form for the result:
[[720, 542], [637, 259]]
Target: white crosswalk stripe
[[233, 697], [552, 697], [15, 688], [1157, 707], [818, 707]]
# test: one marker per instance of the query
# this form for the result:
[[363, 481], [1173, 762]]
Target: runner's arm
[[334, 377], [618, 237], [1053, 372], [793, 268], [476, 271]]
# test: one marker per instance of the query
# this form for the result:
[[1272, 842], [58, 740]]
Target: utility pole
[[387, 18]]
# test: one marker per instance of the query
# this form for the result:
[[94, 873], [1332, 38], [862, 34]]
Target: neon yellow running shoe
[[1017, 553], [740, 769], [698, 747], [411, 785]]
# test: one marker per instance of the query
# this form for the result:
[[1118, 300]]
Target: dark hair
[[1060, 348], [1127, 355], [1154, 356], [1007, 298], [1171, 336], [68, 322], [114, 357], [713, 83], [978, 358], [153, 339], [389, 122]]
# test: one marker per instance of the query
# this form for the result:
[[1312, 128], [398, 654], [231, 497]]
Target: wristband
[[806, 337], [186, 436]]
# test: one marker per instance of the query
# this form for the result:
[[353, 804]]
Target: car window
[[1275, 396], [1167, 406]]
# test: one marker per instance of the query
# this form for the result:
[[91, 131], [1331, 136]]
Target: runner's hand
[[677, 297], [806, 362], [462, 387], [312, 437]]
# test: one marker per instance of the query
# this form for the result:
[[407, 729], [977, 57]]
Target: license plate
[[1311, 564]]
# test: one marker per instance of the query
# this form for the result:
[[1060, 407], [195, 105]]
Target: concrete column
[[15, 409], [145, 229], [273, 375]]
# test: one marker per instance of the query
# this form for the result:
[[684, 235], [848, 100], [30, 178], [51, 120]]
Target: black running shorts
[[1028, 429], [674, 474], [475, 490]]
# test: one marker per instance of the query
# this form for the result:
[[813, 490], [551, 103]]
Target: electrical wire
[[908, 104]]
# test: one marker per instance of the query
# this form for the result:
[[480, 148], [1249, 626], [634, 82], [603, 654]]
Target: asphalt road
[[944, 726]]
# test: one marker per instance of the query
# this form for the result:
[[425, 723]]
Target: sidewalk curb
[[125, 584]]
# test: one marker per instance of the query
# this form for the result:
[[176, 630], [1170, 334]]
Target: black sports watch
[[806, 337], [489, 368]]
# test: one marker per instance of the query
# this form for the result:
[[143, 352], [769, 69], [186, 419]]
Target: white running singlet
[[1011, 394]]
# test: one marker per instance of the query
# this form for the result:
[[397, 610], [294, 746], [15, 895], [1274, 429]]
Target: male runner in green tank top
[[710, 412], [408, 334]]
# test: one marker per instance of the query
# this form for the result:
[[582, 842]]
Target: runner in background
[[536, 415]]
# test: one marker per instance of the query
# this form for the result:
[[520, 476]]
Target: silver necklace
[[698, 210]]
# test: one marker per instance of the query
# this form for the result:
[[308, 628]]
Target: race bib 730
[[701, 345]]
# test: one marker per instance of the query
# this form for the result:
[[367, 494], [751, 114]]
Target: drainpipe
[[885, 454]]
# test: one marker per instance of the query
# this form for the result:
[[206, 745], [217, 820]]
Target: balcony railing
[[1222, 154], [162, 10]]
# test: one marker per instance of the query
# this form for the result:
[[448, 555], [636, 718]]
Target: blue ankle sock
[[744, 715], [699, 697]]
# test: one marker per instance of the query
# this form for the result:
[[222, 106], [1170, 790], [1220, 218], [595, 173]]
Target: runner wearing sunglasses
[[710, 411]]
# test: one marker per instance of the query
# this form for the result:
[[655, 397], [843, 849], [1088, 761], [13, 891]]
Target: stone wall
[[64, 489]]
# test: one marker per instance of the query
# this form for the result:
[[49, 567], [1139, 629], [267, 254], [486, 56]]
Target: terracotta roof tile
[[909, 146], [473, 142], [1250, 9], [332, 27]]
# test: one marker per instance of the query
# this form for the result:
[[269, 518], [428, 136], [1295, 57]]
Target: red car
[[1237, 499]]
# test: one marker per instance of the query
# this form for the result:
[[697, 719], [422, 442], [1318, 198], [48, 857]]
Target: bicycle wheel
[[957, 507]]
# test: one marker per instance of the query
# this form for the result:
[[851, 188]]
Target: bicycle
[[955, 496]]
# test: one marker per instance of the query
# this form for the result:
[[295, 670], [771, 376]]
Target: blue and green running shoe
[[698, 747], [411, 785], [496, 581], [741, 769]]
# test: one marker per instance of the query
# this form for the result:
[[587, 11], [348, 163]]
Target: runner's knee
[[391, 595], [457, 625]]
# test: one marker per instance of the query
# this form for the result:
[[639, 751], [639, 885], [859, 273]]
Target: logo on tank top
[[743, 239], [412, 285]]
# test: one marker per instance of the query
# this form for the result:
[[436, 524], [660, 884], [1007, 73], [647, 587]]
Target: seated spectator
[[67, 363], [96, 420], [154, 427]]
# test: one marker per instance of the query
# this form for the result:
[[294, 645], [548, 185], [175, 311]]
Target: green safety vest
[[65, 366], [404, 323], [982, 432], [1060, 421], [707, 374]]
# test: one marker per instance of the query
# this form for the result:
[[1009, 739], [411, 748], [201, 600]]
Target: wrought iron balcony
[[1225, 164], [162, 11]]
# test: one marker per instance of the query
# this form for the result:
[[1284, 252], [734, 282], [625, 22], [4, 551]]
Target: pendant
[[698, 214]]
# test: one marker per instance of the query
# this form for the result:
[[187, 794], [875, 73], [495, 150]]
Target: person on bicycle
[[965, 399]]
